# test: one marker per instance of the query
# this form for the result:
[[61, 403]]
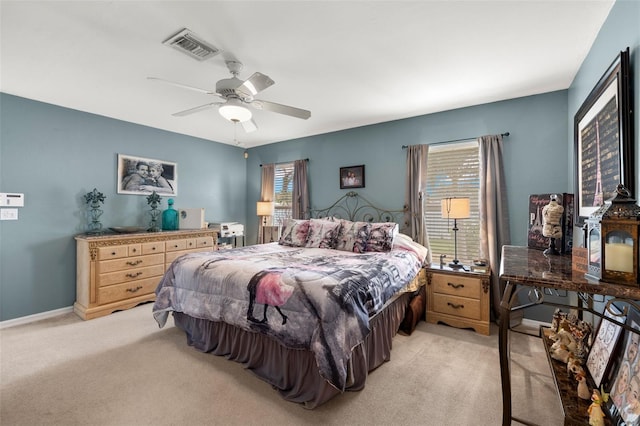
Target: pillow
[[381, 236], [295, 233], [322, 233], [353, 236], [404, 242]]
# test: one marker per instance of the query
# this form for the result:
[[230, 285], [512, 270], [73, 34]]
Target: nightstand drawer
[[458, 306], [457, 285]]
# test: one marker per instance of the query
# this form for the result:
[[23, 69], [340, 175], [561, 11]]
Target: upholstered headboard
[[354, 207]]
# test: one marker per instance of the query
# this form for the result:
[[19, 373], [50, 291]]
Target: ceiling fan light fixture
[[234, 111]]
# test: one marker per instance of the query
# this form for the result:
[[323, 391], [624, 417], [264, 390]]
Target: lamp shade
[[233, 110], [264, 208], [455, 208]]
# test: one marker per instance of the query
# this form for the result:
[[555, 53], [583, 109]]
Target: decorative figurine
[[94, 198], [552, 223], [153, 200], [596, 415], [583, 388], [170, 217]]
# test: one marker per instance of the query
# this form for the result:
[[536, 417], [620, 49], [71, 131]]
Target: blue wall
[[535, 153], [621, 30], [56, 155]]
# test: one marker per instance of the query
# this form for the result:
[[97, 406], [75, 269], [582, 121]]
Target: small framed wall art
[[352, 177]]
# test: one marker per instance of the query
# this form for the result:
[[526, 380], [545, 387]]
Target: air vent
[[187, 42]]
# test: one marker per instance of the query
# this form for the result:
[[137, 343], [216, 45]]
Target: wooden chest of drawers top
[[113, 246]]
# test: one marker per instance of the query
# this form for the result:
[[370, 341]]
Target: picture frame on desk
[[604, 140], [599, 360], [624, 394]]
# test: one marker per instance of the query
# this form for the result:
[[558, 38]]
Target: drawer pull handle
[[153, 248], [456, 286], [133, 290], [175, 245], [137, 274], [113, 253], [455, 306], [134, 250], [190, 244], [137, 262]]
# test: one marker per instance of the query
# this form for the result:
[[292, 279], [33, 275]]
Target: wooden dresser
[[458, 298], [120, 271]]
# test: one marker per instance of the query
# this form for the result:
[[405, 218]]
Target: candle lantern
[[612, 240]]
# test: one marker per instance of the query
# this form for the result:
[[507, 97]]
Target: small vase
[[170, 217]]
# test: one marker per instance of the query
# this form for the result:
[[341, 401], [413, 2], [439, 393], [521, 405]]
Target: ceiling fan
[[237, 95]]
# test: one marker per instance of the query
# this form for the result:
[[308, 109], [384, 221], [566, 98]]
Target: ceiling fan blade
[[184, 86], [196, 109], [281, 109], [249, 125], [255, 84]]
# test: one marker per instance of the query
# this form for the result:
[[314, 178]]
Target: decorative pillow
[[381, 236], [322, 233], [353, 236], [404, 242], [295, 233]]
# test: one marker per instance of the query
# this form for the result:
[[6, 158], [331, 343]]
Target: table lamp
[[264, 209], [455, 208]]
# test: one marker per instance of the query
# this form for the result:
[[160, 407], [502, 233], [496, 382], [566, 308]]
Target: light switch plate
[[8, 214]]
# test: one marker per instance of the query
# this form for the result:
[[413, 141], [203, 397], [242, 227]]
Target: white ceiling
[[351, 63]]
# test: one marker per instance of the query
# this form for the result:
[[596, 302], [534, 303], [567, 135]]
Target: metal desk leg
[[503, 348]]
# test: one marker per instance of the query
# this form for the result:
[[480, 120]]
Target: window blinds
[[453, 171]]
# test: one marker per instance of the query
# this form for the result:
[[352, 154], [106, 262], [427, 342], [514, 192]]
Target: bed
[[311, 314]]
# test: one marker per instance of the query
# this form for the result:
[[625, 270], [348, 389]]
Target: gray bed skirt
[[293, 372]]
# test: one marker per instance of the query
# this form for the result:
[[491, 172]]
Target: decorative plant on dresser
[[120, 271]]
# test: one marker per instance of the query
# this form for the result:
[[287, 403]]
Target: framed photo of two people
[[142, 176]]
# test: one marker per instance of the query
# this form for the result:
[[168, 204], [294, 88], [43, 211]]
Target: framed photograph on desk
[[624, 395], [599, 361]]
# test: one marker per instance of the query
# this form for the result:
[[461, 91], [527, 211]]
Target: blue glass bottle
[[170, 217]]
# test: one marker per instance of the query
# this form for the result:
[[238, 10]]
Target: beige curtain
[[300, 195], [267, 191], [415, 184], [494, 213]]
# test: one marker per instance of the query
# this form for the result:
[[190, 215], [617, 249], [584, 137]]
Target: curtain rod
[[285, 162], [455, 140]]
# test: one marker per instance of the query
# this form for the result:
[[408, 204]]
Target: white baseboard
[[35, 317]]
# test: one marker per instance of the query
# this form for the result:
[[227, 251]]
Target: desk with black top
[[524, 267]]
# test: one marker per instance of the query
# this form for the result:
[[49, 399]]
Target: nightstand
[[458, 298]]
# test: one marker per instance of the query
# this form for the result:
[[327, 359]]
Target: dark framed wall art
[[603, 136], [142, 176], [352, 177]]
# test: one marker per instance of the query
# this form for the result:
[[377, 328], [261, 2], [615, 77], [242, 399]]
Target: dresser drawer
[[154, 247], [458, 306], [204, 242], [130, 275], [114, 252], [175, 245], [135, 288], [130, 263], [457, 285]]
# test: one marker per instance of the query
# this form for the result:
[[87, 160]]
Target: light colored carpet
[[123, 370]]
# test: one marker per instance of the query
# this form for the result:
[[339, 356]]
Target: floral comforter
[[306, 298]]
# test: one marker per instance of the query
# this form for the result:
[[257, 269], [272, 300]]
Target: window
[[453, 171], [283, 188]]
